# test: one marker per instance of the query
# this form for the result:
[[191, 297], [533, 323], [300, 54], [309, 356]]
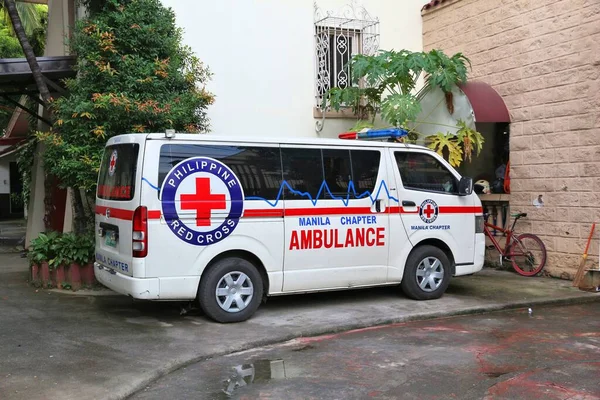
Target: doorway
[[16, 190]]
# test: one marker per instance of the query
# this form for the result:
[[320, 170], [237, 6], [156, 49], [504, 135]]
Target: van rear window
[[117, 172]]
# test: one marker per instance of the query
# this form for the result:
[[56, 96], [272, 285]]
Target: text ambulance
[[226, 222]]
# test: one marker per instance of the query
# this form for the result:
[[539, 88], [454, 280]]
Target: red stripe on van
[[154, 214], [127, 215], [117, 213], [460, 210], [442, 210], [263, 213], [300, 212]]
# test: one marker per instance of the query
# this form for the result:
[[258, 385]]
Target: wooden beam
[[33, 1], [28, 110]]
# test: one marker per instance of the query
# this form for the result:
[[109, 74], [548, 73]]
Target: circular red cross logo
[[203, 202], [112, 163], [213, 194], [428, 211]]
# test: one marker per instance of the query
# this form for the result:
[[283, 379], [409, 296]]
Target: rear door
[[117, 197], [430, 206]]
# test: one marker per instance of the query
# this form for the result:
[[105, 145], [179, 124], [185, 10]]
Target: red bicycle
[[525, 251]]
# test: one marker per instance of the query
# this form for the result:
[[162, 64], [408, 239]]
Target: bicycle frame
[[496, 243], [509, 238]]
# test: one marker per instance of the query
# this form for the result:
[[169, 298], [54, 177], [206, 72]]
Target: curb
[[178, 364], [86, 292]]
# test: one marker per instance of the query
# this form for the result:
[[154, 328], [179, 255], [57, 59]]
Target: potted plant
[[62, 260], [41, 252]]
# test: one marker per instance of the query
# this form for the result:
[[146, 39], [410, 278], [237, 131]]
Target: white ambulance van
[[226, 222]]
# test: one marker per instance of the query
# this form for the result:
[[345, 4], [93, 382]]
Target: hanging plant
[[385, 84]]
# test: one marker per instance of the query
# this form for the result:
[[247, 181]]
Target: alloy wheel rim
[[234, 291], [430, 274]]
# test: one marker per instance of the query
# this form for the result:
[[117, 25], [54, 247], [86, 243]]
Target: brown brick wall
[[543, 57]]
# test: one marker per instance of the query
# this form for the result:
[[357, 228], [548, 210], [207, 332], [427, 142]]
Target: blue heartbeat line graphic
[[151, 185], [324, 186]]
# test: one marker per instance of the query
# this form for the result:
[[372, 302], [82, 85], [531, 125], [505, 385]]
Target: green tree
[[385, 84], [10, 8], [34, 18], [133, 75]]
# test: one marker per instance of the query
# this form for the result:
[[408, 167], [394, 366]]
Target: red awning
[[487, 104], [9, 145]]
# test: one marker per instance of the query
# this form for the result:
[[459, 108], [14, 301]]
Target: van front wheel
[[231, 290], [427, 273]]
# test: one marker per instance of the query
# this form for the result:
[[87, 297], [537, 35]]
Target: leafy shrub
[[43, 248], [61, 249], [78, 249]]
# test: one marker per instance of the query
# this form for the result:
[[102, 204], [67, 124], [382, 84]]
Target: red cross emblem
[[203, 202], [112, 163], [429, 211]]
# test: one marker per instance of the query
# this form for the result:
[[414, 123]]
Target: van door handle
[[406, 203], [378, 205]]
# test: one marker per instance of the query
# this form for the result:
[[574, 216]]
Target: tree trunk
[[28, 50], [80, 217]]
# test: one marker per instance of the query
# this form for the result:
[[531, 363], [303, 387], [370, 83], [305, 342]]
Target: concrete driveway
[[554, 353], [68, 346]]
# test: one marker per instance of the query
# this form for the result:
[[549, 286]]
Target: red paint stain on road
[[446, 329], [525, 386]]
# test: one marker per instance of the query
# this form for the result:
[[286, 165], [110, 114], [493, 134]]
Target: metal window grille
[[339, 36]]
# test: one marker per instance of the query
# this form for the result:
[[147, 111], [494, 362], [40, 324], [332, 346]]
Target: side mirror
[[465, 186]]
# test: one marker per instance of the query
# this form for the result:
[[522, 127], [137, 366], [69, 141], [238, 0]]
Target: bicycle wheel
[[527, 254]]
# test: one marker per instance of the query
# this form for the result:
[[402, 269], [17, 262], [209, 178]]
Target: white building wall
[[5, 173], [262, 55]]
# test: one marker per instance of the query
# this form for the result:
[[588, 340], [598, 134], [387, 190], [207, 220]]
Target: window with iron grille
[[338, 37]]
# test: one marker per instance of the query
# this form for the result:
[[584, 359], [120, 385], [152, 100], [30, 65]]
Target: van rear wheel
[[427, 273], [231, 290]]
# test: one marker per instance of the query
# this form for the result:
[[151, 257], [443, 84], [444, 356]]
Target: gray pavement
[[12, 235], [552, 354], [55, 345]]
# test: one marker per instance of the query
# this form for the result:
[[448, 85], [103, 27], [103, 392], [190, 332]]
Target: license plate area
[[109, 234], [110, 239]]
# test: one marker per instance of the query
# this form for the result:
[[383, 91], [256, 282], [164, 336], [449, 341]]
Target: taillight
[[140, 232], [479, 224]]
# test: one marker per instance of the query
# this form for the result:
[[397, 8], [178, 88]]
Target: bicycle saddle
[[519, 215]]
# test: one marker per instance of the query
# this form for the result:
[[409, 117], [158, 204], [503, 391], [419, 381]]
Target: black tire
[[434, 288], [216, 275], [532, 263]]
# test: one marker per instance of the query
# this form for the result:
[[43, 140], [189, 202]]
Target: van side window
[[365, 167], [420, 171], [257, 168], [303, 172], [338, 172]]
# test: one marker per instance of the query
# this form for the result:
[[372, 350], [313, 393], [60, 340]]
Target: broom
[[581, 270]]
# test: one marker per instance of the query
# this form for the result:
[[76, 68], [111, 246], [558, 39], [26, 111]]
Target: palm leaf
[[30, 15], [442, 142]]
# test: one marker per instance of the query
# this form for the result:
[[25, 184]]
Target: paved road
[[552, 354], [61, 346]]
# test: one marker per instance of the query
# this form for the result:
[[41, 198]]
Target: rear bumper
[[138, 288]]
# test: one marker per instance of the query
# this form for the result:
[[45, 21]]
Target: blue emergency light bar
[[374, 134]]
